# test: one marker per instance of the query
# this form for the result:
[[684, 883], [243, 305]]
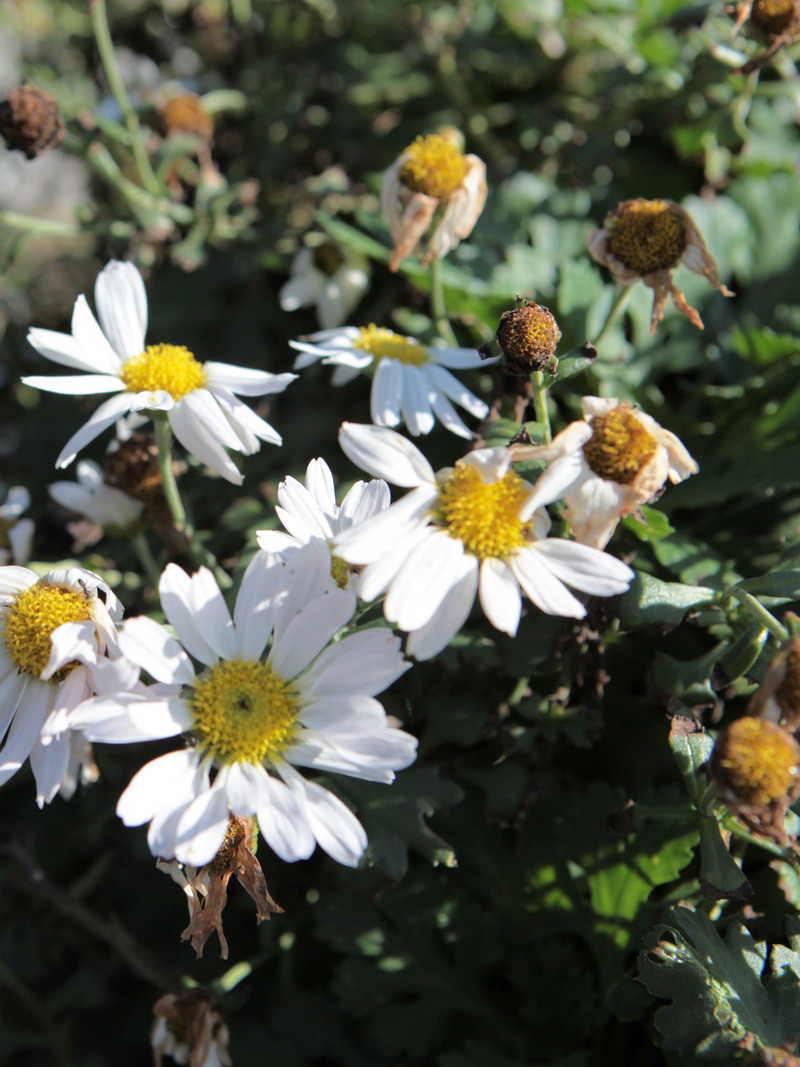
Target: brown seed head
[[775, 16], [185, 114], [756, 760], [619, 446], [133, 467], [528, 336], [435, 166], [646, 235], [30, 121]]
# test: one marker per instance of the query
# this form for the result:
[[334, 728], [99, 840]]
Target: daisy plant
[[462, 531], [411, 382], [272, 694]]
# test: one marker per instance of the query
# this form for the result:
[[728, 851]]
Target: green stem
[[438, 305], [200, 554], [759, 612], [618, 306], [540, 404], [46, 227], [146, 559], [105, 47]]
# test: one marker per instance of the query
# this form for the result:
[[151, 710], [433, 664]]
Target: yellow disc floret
[[646, 235], [485, 517], [528, 336], [172, 368], [243, 712], [757, 760], [381, 343], [434, 166], [341, 571], [619, 446], [31, 620]]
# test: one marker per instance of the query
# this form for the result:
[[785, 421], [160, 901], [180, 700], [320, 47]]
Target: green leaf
[[715, 986], [784, 585], [688, 679], [739, 657], [719, 871], [649, 600], [501, 431], [574, 363], [764, 346], [655, 527]]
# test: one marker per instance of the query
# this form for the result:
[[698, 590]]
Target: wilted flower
[[432, 171], [461, 531], [411, 383], [199, 398], [606, 467], [778, 696], [647, 239], [331, 277], [310, 513], [190, 1029], [185, 113], [16, 534], [110, 508], [254, 720], [55, 632], [755, 767], [31, 121], [528, 336]]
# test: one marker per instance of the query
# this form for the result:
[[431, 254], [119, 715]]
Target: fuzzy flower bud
[[756, 763], [30, 121], [528, 336]]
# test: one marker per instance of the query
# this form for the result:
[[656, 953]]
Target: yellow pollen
[[380, 342], [619, 446], [757, 760], [435, 166], [340, 572], [172, 368], [244, 713], [485, 517], [31, 620], [646, 235]]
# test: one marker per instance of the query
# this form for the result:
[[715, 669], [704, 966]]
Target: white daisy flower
[[411, 382], [55, 632], [205, 414], [16, 534], [331, 277], [461, 531], [99, 503], [605, 467], [309, 512], [255, 718]]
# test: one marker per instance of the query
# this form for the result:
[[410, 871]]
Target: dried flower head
[[186, 114], [778, 696], [432, 171], [528, 336], [190, 1029], [647, 239], [31, 121], [755, 767]]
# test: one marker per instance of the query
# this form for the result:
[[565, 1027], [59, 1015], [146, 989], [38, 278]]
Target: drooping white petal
[[206, 410], [62, 348], [71, 640], [150, 646], [491, 463], [281, 818], [49, 763], [377, 576], [192, 434], [335, 827], [447, 414], [385, 454], [121, 300], [554, 482], [163, 827], [256, 604], [423, 581], [28, 722], [176, 600], [459, 358], [75, 384], [386, 397], [458, 393], [390, 529], [343, 375], [585, 568], [104, 416], [157, 785], [202, 827], [538, 582], [249, 427], [244, 380], [310, 631], [415, 404], [12, 690], [500, 596], [450, 616]]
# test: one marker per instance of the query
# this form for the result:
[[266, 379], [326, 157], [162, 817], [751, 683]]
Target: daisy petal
[[385, 454], [254, 613], [562, 475], [71, 640], [157, 785], [424, 580], [92, 342], [416, 405], [361, 664], [150, 647], [386, 397], [335, 827], [280, 817], [500, 596], [76, 384], [459, 358], [105, 415], [319, 483], [121, 300], [363, 502], [25, 729], [244, 381], [193, 435], [452, 387], [202, 827], [49, 763], [585, 568], [447, 414], [61, 348], [538, 582], [449, 617], [310, 631], [176, 600]]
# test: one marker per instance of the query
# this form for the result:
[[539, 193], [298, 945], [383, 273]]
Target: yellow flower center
[[172, 368], [31, 620], [380, 342], [244, 713], [619, 446], [773, 16], [328, 258], [435, 166], [485, 517], [341, 571], [757, 760], [646, 235]]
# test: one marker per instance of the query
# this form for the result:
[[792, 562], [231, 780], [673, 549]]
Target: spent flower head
[[647, 239], [31, 121], [432, 171], [528, 336], [329, 276], [190, 1029]]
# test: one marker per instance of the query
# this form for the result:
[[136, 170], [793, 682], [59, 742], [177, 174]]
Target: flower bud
[[528, 336], [756, 762], [30, 121]]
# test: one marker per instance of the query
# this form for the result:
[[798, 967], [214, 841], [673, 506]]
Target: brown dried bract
[[186, 1027], [235, 857], [31, 121]]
